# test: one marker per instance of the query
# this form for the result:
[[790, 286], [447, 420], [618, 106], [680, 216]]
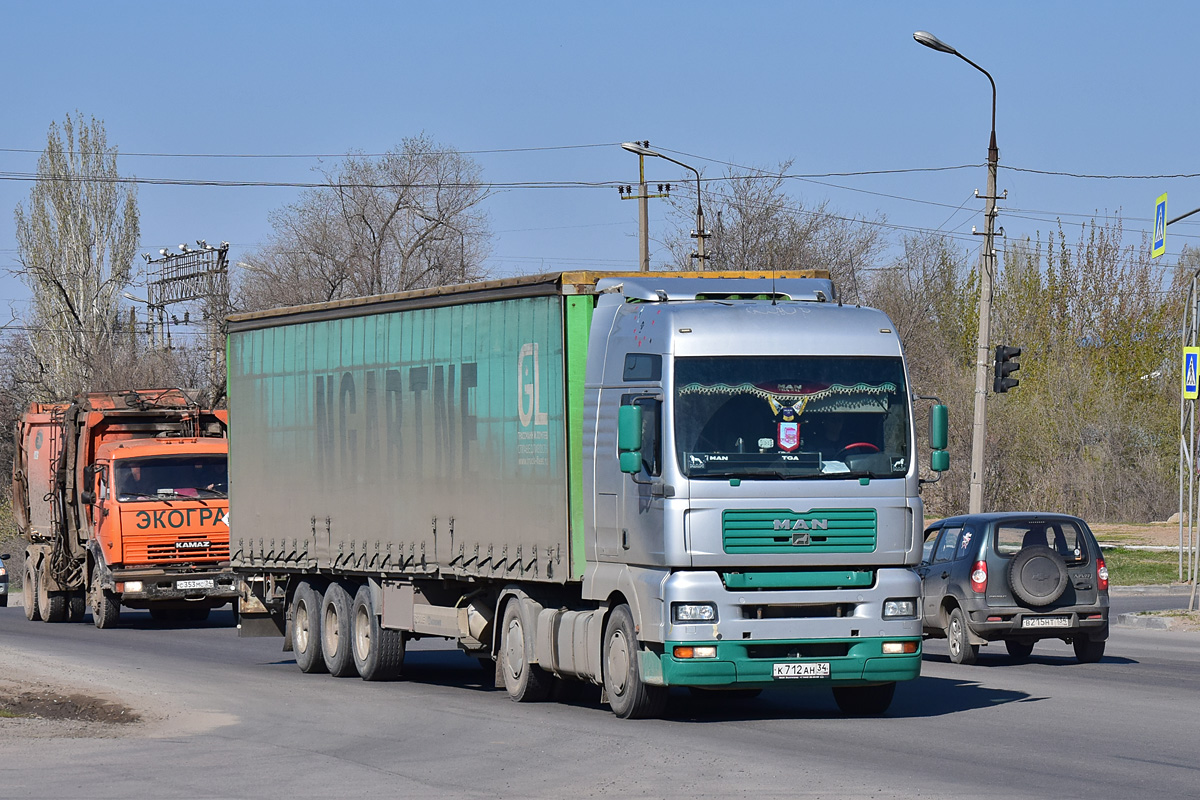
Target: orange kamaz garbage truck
[[123, 499]]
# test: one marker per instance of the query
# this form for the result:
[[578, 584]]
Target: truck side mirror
[[939, 434], [88, 497], [629, 438]]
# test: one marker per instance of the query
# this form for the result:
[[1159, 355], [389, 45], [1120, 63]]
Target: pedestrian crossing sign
[[1191, 365], [1159, 245]]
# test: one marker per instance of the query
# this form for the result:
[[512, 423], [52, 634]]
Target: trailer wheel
[[29, 593], [524, 682], [76, 605], [378, 652], [628, 696], [336, 635], [106, 608], [306, 628]]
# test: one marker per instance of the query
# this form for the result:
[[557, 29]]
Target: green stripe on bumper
[[863, 663]]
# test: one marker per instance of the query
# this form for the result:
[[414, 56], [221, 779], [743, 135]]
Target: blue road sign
[[1191, 370], [1160, 227]]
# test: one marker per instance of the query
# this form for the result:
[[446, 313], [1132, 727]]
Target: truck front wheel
[[306, 628], [628, 696], [524, 682], [378, 653], [336, 634], [106, 608], [29, 593]]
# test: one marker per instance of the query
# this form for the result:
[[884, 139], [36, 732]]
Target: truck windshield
[[791, 417], [171, 476]]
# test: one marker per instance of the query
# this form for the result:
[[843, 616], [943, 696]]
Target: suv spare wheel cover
[[1037, 575]]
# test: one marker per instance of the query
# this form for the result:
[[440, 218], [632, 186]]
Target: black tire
[[524, 682], [1037, 575], [628, 695], [53, 605], [195, 613], [337, 636], [1088, 651], [29, 593], [1018, 651], [76, 605], [306, 628], [958, 638], [378, 652], [864, 701], [106, 607], [4, 598]]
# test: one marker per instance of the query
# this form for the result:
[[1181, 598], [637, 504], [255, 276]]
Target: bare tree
[[408, 220], [76, 246], [755, 225]]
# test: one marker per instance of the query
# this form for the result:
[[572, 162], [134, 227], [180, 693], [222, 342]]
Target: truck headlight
[[693, 612], [895, 609], [130, 586]]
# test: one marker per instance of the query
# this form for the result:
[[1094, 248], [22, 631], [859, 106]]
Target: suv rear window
[[1062, 536]]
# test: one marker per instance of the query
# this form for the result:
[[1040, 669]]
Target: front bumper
[[215, 587], [759, 628], [751, 664]]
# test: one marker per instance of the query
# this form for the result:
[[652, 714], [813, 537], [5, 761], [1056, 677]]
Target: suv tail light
[[979, 577], [1101, 575]]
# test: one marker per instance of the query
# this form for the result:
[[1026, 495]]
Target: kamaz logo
[[192, 545], [802, 525]]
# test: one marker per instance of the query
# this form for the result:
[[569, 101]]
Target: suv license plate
[[1046, 622], [198, 584], [819, 669]]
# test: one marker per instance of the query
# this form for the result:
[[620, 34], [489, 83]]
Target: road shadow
[[1003, 659], [140, 620]]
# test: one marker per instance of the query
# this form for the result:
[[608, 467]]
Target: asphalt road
[[235, 718]]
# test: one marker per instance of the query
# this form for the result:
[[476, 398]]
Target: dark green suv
[[1015, 577]]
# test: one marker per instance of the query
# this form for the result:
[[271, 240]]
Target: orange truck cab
[[123, 497]]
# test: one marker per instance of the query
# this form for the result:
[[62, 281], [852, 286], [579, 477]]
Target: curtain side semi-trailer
[[638, 480]]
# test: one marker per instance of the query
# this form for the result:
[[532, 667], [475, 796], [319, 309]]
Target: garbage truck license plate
[[819, 669], [197, 584]]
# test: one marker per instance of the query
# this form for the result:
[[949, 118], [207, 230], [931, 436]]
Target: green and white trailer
[[638, 480]]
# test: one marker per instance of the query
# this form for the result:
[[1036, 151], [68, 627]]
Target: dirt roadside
[[43, 698]]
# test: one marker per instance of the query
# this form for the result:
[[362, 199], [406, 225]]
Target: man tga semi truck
[[638, 480], [123, 498]]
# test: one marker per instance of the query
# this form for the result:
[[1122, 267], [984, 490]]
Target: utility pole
[[987, 275], [643, 196], [699, 234]]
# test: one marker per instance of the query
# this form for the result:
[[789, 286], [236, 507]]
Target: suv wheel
[[1088, 651], [1018, 650], [961, 649]]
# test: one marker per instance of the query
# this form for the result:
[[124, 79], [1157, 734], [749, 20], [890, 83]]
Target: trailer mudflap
[[256, 621]]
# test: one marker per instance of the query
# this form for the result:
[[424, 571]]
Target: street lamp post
[[987, 274], [699, 234]]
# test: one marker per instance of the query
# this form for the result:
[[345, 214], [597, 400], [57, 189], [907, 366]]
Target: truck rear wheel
[[336, 634], [524, 682], [76, 605], [628, 696], [106, 608], [378, 653], [306, 628], [29, 593], [53, 605]]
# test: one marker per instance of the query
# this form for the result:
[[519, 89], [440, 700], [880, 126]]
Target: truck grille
[[147, 550], [821, 530]]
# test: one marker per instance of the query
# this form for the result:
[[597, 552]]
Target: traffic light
[[1005, 365]]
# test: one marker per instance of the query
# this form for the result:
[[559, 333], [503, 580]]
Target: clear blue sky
[[1088, 87]]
